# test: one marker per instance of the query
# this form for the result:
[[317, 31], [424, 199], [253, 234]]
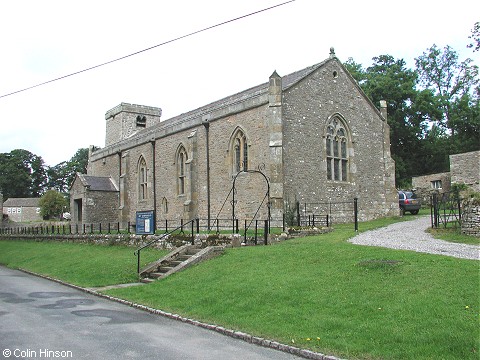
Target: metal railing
[[192, 222]]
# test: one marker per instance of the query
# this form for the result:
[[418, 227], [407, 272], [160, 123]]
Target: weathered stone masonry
[[183, 167]]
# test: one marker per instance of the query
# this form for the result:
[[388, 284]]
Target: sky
[[44, 40]]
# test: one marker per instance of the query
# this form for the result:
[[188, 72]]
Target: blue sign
[[145, 223]]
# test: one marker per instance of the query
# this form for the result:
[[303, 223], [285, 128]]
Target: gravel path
[[411, 235]]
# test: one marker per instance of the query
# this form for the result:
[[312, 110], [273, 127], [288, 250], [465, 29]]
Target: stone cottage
[[464, 169], [22, 209], [311, 136]]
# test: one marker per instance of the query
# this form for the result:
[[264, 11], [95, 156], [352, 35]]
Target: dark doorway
[[78, 210]]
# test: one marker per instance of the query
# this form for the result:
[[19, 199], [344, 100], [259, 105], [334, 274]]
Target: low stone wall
[[471, 219]]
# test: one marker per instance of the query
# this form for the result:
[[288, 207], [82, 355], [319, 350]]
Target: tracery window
[[336, 141], [142, 179], [181, 169], [240, 152]]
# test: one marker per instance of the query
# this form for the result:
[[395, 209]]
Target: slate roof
[[21, 202], [287, 81], [97, 183]]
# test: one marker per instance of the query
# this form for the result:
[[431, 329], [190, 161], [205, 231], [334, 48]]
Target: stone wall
[[425, 185], [465, 169], [471, 219], [371, 177]]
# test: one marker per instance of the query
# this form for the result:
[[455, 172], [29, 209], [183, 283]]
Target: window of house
[[142, 179], [141, 121], [181, 170], [240, 152], [436, 184], [336, 150]]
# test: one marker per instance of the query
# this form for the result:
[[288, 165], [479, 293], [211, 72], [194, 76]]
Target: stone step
[[164, 269], [175, 263], [192, 251], [147, 280], [156, 275]]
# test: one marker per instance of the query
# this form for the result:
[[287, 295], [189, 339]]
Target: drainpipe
[[207, 140]]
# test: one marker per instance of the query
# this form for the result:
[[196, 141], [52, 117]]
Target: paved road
[[38, 315]]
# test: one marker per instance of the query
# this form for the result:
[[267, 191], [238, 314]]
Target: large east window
[[336, 141]]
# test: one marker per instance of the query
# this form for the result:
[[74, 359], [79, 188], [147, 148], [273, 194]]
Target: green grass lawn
[[79, 264], [320, 293]]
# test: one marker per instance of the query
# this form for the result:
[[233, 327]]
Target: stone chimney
[[383, 109]]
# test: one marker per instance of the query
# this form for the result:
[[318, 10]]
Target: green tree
[[61, 176], [450, 80], [389, 79], [52, 204], [22, 174], [475, 36]]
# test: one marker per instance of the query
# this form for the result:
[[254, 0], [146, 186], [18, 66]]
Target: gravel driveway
[[411, 235]]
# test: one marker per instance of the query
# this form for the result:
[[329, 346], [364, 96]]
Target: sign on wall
[[145, 223]]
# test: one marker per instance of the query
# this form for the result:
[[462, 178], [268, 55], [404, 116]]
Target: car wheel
[[414, 212]]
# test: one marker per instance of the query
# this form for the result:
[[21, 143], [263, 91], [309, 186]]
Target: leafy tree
[[475, 45], [22, 174], [450, 80], [389, 79], [61, 176], [52, 204]]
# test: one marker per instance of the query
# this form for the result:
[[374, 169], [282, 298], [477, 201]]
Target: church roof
[[21, 202], [97, 183], [287, 81]]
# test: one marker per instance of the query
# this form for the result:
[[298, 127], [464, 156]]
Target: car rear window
[[411, 195]]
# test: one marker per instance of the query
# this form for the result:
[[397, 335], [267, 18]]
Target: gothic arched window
[[336, 141], [142, 179], [239, 152], [181, 169]]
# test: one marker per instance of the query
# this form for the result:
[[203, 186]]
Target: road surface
[[44, 319]]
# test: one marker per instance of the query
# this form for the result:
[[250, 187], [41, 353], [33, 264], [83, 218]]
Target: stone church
[[310, 137]]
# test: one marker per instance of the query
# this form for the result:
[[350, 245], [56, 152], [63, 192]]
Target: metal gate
[[445, 209]]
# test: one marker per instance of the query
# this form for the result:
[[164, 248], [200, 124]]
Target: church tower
[[125, 120]]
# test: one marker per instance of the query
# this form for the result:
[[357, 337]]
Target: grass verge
[[80, 264]]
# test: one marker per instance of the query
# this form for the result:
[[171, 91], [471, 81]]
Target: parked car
[[407, 200]]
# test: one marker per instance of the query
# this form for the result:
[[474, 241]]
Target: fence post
[[193, 236], [265, 233], [245, 232], [459, 210], [355, 210], [298, 213], [236, 226], [197, 221], [256, 229], [327, 221]]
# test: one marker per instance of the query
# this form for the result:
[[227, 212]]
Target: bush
[[52, 204]]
